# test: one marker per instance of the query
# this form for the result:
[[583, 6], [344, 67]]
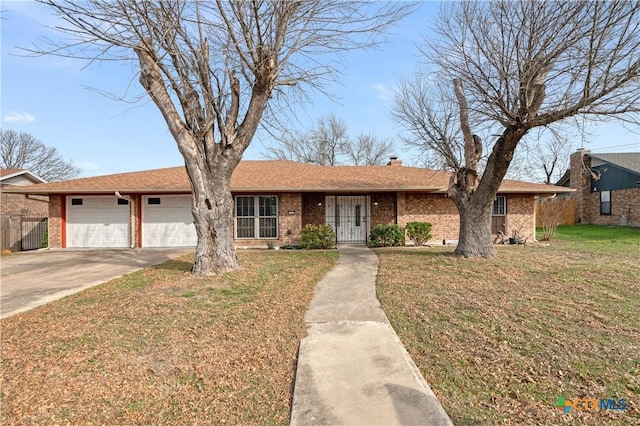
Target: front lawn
[[161, 347], [500, 340]]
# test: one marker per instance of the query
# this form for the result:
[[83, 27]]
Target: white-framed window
[[605, 203], [256, 216], [499, 206]]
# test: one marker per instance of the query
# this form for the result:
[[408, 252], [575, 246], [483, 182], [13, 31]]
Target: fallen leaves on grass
[[499, 340], [160, 346]]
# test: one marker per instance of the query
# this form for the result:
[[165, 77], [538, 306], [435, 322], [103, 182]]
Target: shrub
[[552, 213], [419, 232], [386, 236], [317, 237]]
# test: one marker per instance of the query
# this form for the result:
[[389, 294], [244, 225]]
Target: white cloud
[[88, 166], [18, 118], [382, 92]]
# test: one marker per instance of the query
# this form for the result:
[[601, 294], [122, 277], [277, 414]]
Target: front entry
[[349, 217]]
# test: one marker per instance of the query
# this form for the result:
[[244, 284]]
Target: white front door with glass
[[348, 215]]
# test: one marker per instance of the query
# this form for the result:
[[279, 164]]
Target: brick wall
[[55, 221], [625, 208], [437, 209], [312, 213], [579, 165], [441, 212], [385, 212], [19, 205], [15, 206], [520, 215], [290, 225]]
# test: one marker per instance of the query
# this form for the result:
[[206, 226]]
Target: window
[[499, 206], [256, 223], [153, 201], [76, 201], [605, 203], [498, 215], [123, 202]]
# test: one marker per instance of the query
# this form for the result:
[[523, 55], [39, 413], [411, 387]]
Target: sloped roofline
[[280, 176], [11, 173], [608, 160]]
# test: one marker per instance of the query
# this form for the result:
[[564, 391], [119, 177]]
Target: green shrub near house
[[419, 232], [386, 236], [317, 237]]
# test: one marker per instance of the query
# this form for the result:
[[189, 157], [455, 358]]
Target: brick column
[[579, 164], [55, 221]]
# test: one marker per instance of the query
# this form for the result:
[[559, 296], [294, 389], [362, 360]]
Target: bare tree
[[328, 144], [547, 159], [516, 66], [322, 145], [24, 151], [368, 149], [212, 68], [329, 139]]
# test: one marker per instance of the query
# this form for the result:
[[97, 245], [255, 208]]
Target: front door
[[348, 215]]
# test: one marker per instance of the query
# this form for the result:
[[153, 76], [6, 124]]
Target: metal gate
[[34, 230], [349, 216]]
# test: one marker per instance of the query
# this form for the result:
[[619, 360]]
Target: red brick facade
[[313, 209], [296, 210], [625, 203], [383, 209], [521, 215], [437, 209], [13, 207], [625, 208], [55, 221]]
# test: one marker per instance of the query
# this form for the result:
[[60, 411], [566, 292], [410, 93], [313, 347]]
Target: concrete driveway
[[30, 279]]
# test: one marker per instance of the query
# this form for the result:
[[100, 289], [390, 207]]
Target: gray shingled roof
[[628, 160]]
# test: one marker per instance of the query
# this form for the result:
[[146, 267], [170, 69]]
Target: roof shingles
[[278, 176]]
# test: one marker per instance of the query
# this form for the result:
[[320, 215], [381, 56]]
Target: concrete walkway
[[352, 367]]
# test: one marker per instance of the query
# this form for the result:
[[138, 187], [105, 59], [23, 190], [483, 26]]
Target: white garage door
[[167, 221], [97, 222]]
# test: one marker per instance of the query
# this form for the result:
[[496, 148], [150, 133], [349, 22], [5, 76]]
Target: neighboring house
[[607, 187], [273, 201], [15, 208]]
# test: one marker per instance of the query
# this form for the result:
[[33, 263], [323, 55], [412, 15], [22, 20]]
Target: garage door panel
[[168, 224], [97, 222]]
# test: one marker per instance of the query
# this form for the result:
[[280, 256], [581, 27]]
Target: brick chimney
[[393, 161], [579, 166]]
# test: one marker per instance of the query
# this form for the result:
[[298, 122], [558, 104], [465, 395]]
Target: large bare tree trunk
[[474, 238], [473, 195], [212, 208], [209, 165]]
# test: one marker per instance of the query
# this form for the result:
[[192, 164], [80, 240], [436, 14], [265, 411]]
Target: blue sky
[[50, 98]]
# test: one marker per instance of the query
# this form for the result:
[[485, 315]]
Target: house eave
[[111, 191]]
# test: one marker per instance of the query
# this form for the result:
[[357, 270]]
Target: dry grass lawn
[[500, 340], [161, 347]]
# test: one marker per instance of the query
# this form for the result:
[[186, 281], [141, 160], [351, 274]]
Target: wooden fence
[[5, 232], [563, 210], [34, 230]]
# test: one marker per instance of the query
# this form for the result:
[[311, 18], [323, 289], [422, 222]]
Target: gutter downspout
[[131, 201], [30, 197]]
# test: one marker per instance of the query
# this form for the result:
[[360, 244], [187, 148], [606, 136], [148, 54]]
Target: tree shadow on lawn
[[182, 264], [425, 251]]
